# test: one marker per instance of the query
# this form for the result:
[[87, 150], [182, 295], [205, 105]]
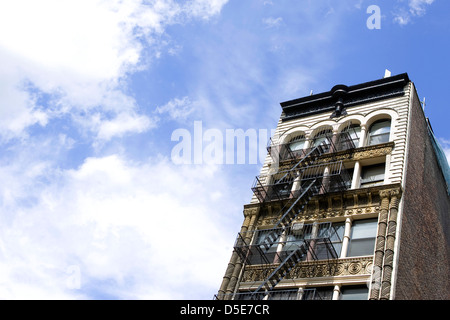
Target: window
[[337, 236], [321, 293], [260, 244], [283, 295], [297, 143], [372, 175], [354, 293], [379, 132], [261, 237], [349, 137], [333, 235], [293, 148], [322, 136], [281, 185], [362, 238]]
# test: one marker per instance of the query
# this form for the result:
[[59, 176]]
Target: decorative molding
[[354, 154], [314, 269], [251, 211], [364, 201]]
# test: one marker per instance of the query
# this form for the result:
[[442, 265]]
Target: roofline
[[345, 96]]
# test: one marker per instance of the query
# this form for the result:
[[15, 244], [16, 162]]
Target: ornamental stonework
[[314, 269]]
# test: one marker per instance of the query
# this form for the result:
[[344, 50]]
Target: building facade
[[352, 202]]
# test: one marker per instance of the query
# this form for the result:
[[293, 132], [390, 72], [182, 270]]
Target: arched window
[[349, 137], [321, 136], [379, 132], [297, 144]]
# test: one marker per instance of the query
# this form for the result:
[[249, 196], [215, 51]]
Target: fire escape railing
[[291, 294], [334, 143], [299, 184], [288, 243], [274, 245]]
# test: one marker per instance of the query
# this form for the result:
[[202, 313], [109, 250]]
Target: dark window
[[372, 175], [354, 293]]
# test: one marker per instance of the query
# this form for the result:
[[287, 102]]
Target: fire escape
[[280, 248]]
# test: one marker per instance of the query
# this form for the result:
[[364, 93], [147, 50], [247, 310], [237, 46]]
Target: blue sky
[[92, 203]]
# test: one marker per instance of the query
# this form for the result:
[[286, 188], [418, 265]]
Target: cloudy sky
[[93, 204]]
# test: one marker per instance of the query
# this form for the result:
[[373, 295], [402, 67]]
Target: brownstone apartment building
[[352, 202]]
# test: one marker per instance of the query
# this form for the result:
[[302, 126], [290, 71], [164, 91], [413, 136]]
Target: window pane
[[319, 140], [362, 239], [361, 247], [380, 127], [283, 295], [372, 175], [354, 293], [324, 293], [322, 136], [337, 247], [379, 138], [364, 229], [262, 235], [355, 133], [379, 132], [338, 232], [298, 145]]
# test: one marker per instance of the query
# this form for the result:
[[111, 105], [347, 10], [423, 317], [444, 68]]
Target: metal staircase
[[284, 268], [311, 179]]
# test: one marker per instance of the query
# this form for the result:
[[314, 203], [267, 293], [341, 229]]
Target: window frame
[[381, 135], [376, 179], [364, 240]]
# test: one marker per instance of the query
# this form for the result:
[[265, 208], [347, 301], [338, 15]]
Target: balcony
[[294, 150], [272, 246], [288, 184], [292, 294]]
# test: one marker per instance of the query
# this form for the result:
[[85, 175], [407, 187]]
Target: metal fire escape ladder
[[290, 214], [284, 268], [286, 219], [262, 191]]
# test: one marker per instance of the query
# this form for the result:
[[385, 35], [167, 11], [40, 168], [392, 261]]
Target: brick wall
[[424, 242]]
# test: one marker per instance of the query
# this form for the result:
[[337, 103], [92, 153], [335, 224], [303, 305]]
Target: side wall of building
[[424, 240]]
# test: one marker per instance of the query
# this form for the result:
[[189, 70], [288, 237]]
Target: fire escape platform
[[354, 270], [373, 151]]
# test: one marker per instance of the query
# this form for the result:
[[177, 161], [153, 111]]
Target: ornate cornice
[[341, 97]]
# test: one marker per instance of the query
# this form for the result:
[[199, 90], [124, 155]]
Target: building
[[352, 202]]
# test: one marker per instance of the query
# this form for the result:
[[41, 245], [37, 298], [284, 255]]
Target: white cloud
[[204, 8], [80, 53], [122, 124], [132, 229], [416, 8], [177, 109], [272, 22], [148, 230]]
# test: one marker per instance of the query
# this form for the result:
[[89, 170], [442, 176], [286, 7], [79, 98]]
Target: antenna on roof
[[311, 93], [423, 103], [387, 73]]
